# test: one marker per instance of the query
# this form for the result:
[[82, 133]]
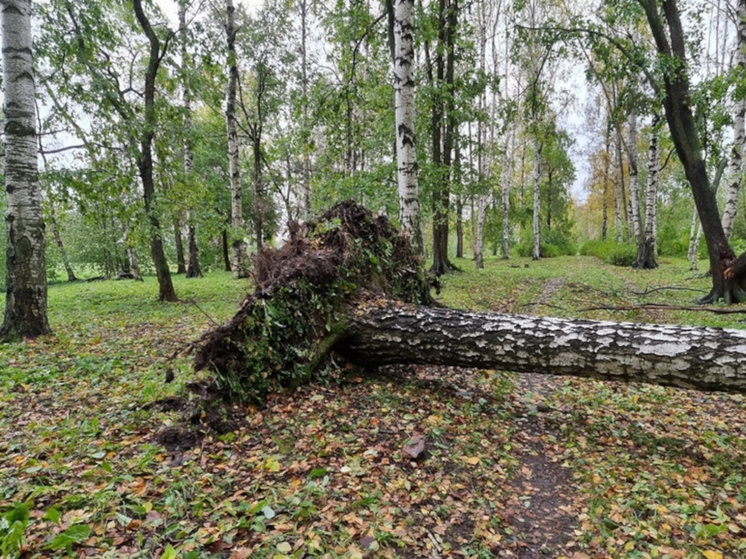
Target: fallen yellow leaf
[[712, 554]]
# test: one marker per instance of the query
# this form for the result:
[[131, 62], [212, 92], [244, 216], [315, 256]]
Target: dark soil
[[541, 514]]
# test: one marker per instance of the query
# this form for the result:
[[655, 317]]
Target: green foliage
[[672, 240], [553, 243], [12, 528], [622, 255], [616, 254], [72, 535]]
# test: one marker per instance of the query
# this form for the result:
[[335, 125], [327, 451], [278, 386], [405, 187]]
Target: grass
[[657, 472]]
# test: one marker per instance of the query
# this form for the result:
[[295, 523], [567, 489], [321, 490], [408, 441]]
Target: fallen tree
[[686, 357], [349, 285]]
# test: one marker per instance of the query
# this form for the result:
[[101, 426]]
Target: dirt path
[[541, 510]]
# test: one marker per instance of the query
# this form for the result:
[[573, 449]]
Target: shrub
[[599, 249], [622, 255], [547, 249], [616, 254], [560, 242], [672, 241]]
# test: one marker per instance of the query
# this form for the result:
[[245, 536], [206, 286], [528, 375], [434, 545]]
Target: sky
[[169, 7]]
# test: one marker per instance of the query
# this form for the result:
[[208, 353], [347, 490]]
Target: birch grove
[[238, 245]]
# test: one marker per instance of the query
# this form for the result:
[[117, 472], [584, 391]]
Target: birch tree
[[536, 186], [238, 246], [406, 153], [484, 148], [193, 269], [735, 162], [26, 280], [505, 189], [646, 248], [303, 11], [634, 186]]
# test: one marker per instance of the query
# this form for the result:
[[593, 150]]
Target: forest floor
[[520, 466]]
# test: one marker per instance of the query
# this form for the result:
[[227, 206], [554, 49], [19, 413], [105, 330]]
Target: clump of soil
[[283, 332], [198, 418], [176, 438]]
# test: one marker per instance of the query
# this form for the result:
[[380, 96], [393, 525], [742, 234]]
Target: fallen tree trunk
[[682, 356], [349, 284]]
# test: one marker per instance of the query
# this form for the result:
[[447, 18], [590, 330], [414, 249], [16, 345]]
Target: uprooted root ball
[[283, 332]]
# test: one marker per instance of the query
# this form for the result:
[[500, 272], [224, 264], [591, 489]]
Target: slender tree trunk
[[238, 246], [60, 244], [145, 159], [634, 184], [695, 230], [506, 176], [134, 267], [459, 227], [479, 242], [306, 195], [607, 164], [192, 270], [26, 280], [226, 251], [484, 146], [619, 201], [646, 249], [179, 244], [404, 102], [259, 205], [536, 180], [735, 163], [443, 122]]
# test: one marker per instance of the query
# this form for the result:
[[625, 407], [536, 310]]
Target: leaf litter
[[511, 466]]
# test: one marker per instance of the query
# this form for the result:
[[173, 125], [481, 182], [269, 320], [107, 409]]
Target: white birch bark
[[484, 159], [505, 180], [695, 233], [238, 246], [619, 193], [479, 238], [193, 268], [651, 193], [735, 162], [306, 194], [607, 164], [634, 184], [406, 154], [536, 180], [681, 356], [26, 282], [134, 265]]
